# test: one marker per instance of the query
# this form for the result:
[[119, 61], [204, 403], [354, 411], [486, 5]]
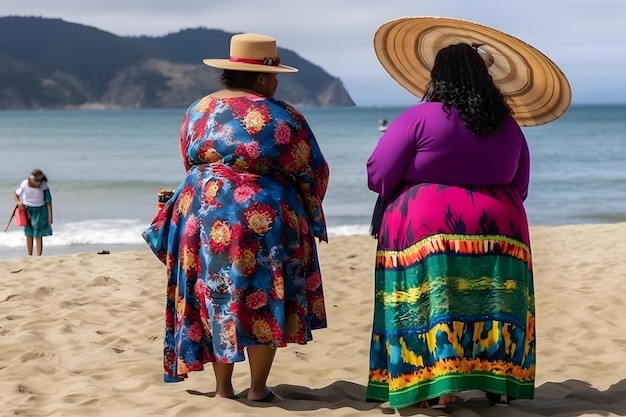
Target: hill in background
[[49, 63]]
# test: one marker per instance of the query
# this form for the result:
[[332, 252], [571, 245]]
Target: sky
[[585, 38]]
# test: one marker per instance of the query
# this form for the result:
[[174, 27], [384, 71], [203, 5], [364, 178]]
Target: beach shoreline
[[50, 250]]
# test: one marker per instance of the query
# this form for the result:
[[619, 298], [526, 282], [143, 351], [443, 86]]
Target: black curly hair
[[460, 79], [238, 79]]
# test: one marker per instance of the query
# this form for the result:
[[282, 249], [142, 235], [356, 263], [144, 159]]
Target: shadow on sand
[[571, 398]]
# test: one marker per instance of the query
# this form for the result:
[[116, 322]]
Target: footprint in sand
[[103, 281]]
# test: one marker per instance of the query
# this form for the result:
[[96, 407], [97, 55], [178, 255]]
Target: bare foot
[[270, 397], [229, 395]]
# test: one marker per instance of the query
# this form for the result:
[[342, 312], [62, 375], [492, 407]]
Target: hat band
[[272, 62]]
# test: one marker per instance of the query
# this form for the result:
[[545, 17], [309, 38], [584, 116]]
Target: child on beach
[[33, 196]]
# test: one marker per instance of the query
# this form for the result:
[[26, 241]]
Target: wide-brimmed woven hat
[[535, 87], [251, 52]]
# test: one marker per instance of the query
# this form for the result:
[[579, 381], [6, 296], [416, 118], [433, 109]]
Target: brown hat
[[535, 87], [251, 52]]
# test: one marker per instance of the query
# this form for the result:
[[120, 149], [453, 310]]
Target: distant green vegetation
[[50, 63]]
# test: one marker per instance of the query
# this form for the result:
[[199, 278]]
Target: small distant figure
[[33, 196], [382, 125]]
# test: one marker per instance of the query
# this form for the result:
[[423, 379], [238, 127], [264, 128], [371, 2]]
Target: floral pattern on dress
[[238, 235]]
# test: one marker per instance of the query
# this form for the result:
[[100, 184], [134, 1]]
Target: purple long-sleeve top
[[425, 145]]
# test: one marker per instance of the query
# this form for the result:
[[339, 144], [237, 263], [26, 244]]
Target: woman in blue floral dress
[[238, 235]]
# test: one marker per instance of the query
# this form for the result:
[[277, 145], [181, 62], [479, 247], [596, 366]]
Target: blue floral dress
[[238, 235]]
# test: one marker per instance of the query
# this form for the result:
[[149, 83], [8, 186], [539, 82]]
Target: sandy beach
[[81, 335]]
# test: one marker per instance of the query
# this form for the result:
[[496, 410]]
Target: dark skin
[[264, 84]]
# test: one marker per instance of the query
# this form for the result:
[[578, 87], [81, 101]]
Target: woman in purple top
[[454, 299]]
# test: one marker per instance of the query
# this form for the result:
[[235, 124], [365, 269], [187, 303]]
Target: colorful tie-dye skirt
[[454, 298]]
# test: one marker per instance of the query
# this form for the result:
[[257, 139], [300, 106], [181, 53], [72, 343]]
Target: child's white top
[[31, 196]]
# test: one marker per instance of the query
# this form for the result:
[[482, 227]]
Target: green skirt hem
[[449, 384]]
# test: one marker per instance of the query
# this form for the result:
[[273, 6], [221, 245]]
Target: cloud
[[583, 37]]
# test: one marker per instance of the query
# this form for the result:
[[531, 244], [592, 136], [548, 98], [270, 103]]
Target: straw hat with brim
[[253, 53], [535, 88]]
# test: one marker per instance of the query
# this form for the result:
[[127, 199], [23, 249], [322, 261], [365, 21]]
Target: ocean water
[[105, 167]]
